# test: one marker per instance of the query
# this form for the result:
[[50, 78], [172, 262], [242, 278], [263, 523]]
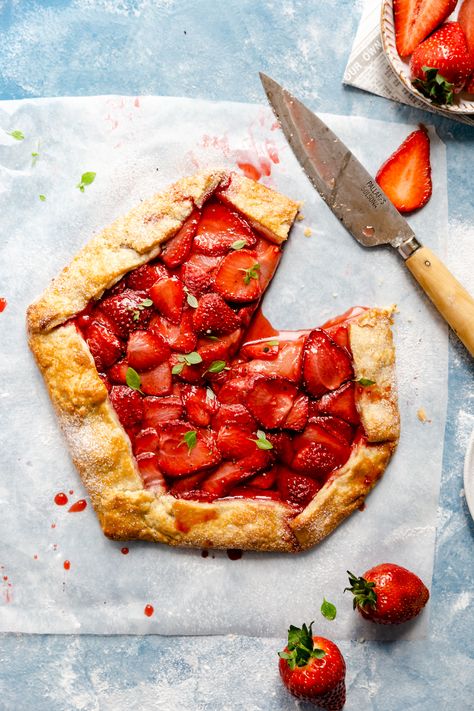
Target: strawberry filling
[[208, 416]]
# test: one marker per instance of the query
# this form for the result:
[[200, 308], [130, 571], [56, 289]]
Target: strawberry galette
[[191, 421]]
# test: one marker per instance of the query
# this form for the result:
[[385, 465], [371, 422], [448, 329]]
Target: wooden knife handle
[[450, 298]]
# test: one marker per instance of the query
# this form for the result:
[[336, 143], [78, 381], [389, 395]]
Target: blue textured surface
[[212, 49]]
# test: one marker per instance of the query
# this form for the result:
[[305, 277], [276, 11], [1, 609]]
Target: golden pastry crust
[[101, 449]]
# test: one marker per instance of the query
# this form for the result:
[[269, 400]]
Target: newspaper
[[368, 68]]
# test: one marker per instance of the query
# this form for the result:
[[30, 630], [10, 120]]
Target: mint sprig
[[192, 358], [251, 273], [262, 442], [146, 303], [301, 647], [86, 179]]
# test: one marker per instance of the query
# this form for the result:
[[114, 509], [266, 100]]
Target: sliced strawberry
[[318, 452], [340, 403], [235, 414], [405, 177], [245, 313], [104, 345], [160, 410], [235, 389], [229, 474], [270, 400], [297, 417], [146, 440], [146, 350], [254, 492], [238, 277], [150, 472], [416, 19], [127, 311], [187, 484], [336, 427], [127, 404], [214, 317], [84, 318], [268, 258], [176, 458], [177, 249], [180, 337], [198, 405], [118, 372], [466, 20], [325, 365], [157, 381], [282, 446], [262, 350], [219, 347], [198, 273], [235, 441], [287, 363], [142, 278], [168, 297], [188, 373], [265, 480], [295, 488], [219, 228]]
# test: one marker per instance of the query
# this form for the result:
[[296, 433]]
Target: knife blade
[[363, 208]]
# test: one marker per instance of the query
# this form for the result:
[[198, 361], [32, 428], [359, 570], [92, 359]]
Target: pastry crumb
[[421, 414], [299, 217], [334, 295], [308, 232]]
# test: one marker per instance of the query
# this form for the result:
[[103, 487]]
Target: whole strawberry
[[388, 594], [441, 65], [313, 669]]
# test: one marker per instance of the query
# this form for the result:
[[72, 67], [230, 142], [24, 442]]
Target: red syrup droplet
[[35, 557], [204, 553], [78, 506], [61, 499], [71, 491], [149, 610], [124, 550], [3, 304], [5, 577], [67, 565], [53, 525], [234, 553]]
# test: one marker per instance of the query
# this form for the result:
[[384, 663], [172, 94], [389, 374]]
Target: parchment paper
[[136, 147]]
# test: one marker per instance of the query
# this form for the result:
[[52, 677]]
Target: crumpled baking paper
[[136, 146]]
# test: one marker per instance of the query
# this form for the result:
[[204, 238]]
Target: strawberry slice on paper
[[325, 364], [184, 449], [405, 177], [220, 229]]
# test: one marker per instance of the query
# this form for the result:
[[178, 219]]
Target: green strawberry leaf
[[363, 591], [328, 610], [434, 86], [301, 647]]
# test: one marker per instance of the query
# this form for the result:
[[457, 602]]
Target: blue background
[[213, 50]]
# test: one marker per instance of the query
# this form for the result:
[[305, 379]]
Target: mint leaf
[[192, 358], [133, 379], [365, 382], [147, 302], [177, 369], [328, 610], [210, 395], [239, 244], [190, 298], [86, 179], [42, 197], [217, 366], [35, 155], [190, 439], [251, 273], [17, 135], [263, 443]]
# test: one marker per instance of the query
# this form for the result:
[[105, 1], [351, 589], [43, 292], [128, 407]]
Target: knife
[[364, 209]]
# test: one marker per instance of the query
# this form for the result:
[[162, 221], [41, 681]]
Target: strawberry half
[[336, 427], [295, 488], [180, 337], [270, 401], [416, 20], [405, 177], [229, 474], [219, 228], [318, 451], [325, 364], [297, 417], [198, 273], [128, 311], [141, 278], [340, 403], [441, 65], [238, 277], [146, 440], [127, 404], [218, 348], [179, 455], [157, 381], [213, 316], [160, 410], [233, 415], [103, 344], [146, 350], [118, 372], [177, 249], [235, 441], [286, 364], [150, 472], [198, 405], [168, 297]]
